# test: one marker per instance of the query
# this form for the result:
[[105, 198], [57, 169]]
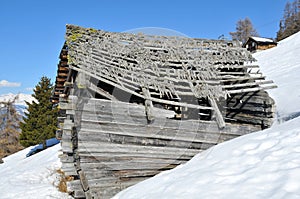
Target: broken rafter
[[142, 96]]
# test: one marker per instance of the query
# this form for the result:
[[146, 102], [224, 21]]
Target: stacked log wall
[[109, 146]]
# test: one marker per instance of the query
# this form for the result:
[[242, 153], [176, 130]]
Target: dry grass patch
[[62, 185]]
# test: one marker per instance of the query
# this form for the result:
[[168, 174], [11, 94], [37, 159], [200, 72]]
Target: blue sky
[[32, 31]]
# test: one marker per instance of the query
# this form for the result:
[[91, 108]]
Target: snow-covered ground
[[34, 177], [264, 164], [282, 65]]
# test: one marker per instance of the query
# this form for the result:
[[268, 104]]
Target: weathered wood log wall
[[111, 145], [135, 105]]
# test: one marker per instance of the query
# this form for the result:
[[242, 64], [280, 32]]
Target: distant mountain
[[21, 98], [20, 104]]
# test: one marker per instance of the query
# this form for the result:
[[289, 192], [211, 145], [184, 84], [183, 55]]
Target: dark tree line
[[290, 23]]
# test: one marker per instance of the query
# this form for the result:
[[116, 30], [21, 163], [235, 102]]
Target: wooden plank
[[66, 146], [101, 92], [256, 83], [73, 186], [217, 113], [65, 158], [90, 174], [79, 194], [246, 90], [159, 125], [84, 181], [148, 105], [122, 139], [86, 156], [165, 136], [126, 165], [121, 148]]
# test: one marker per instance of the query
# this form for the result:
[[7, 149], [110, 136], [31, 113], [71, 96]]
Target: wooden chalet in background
[[254, 44], [133, 105]]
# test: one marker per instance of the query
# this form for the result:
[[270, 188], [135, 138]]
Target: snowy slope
[[282, 64], [32, 177]]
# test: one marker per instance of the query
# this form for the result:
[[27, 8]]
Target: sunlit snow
[[32, 177]]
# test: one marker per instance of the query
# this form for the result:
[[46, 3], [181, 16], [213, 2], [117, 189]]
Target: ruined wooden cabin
[[133, 105]]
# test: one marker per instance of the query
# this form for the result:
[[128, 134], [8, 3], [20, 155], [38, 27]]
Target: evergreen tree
[[244, 29], [41, 119]]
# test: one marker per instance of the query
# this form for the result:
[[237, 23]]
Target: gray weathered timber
[[124, 146], [134, 105]]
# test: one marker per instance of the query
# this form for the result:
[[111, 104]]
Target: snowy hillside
[[260, 165], [32, 177], [282, 64]]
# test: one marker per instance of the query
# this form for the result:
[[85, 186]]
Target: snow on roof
[[261, 39]]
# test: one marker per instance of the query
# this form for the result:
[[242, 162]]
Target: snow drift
[[32, 177], [282, 64]]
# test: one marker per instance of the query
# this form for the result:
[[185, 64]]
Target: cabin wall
[[133, 106], [265, 47], [108, 146], [250, 108]]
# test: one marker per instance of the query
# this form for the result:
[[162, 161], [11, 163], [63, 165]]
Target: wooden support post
[[217, 113], [148, 105], [102, 92]]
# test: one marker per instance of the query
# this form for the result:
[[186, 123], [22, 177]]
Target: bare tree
[[244, 29], [290, 23], [9, 128]]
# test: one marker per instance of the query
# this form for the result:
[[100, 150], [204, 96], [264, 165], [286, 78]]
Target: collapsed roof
[[164, 70]]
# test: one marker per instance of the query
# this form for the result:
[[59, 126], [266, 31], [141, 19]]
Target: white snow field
[[282, 65], [34, 177], [264, 164]]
